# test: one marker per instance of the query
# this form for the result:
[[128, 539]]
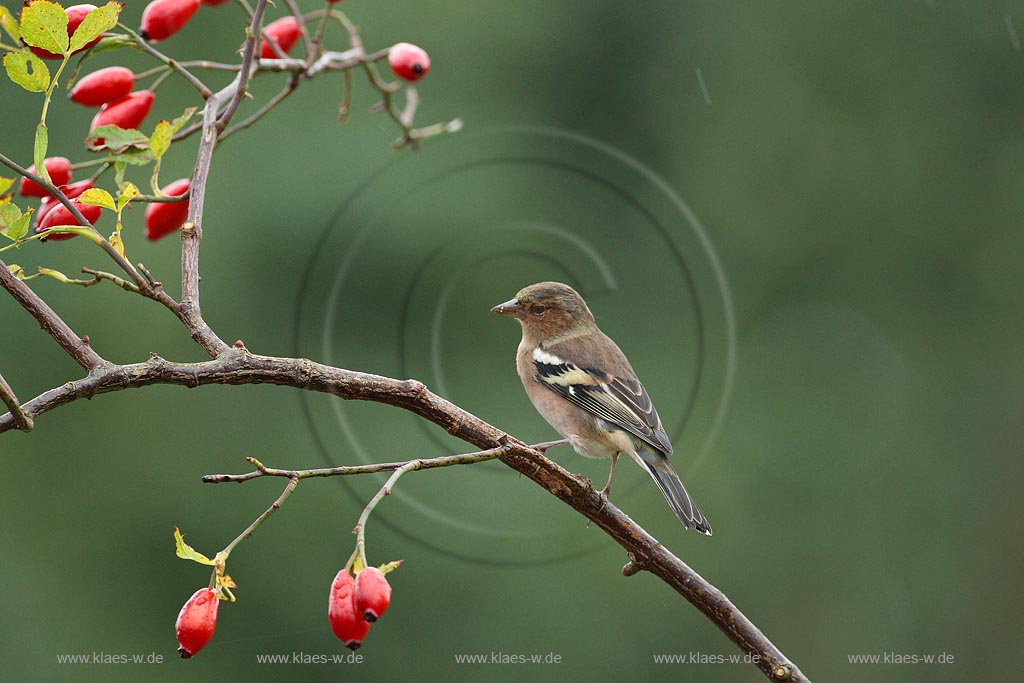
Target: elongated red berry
[[59, 215], [103, 86], [59, 169], [163, 219], [127, 112], [373, 594], [284, 32], [196, 622], [409, 62], [163, 18], [347, 624], [76, 15], [71, 191]]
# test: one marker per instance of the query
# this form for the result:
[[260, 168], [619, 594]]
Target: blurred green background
[[856, 167]]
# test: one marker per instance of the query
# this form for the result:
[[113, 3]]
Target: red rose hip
[[347, 624], [285, 32], [163, 18], [127, 112], [373, 594], [196, 622], [76, 15], [163, 219], [58, 214], [409, 62], [59, 169], [103, 86]]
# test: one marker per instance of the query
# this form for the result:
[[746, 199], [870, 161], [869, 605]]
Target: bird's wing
[[620, 400]]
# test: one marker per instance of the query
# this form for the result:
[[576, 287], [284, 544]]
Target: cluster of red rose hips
[[111, 89], [353, 604]]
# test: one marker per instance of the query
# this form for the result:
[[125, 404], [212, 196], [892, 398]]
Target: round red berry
[[285, 32], [103, 86], [409, 62], [347, 624], [196, 622], [59, 170], [373, 594], [163, 18], [127, 112], [58, 214], [161, 218]]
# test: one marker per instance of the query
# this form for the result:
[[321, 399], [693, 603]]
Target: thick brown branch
[[52, 323], [237, 366]]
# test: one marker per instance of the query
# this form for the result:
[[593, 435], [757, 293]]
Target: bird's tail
[[664, 475]]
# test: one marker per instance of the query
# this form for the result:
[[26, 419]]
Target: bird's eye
[[538, 309]]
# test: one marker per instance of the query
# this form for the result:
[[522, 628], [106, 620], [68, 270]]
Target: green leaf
[[113, 42], [5, 184], [119, 168], [389, 567], [39, 151], [95, 23], [13, 223], [98, 197], [116, 138], [16, 270], [128, 193], [10, 24], [44, 25], [187, 552], [160, 140], [27, 70]]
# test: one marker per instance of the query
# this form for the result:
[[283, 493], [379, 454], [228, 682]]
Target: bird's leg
[[607, 490]]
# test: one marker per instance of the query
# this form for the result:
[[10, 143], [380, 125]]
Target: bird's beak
[[510, 307]]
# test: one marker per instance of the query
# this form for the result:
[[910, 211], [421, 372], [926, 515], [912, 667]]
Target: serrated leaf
[[95, 23], [98, 197], [116, 138], [20, 227], [160, 140], [10, 24], [9, 215], [42, 141], [187, 552], [44, 25], [128, 193], [27, 70], [5, 184]]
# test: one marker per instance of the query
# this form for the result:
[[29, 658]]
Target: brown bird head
[[547, 309]]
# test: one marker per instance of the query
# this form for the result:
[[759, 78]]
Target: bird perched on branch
[[581, 383]]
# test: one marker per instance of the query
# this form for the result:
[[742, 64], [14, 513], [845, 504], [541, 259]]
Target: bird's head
[[548, 309]]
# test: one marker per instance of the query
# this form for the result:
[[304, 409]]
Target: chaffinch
[[581, 383]]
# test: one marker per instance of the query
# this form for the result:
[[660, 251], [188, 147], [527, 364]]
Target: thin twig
[[76, 347], [274, 507], [288, 89], [245, 73], [10, 400], [204, 91]]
